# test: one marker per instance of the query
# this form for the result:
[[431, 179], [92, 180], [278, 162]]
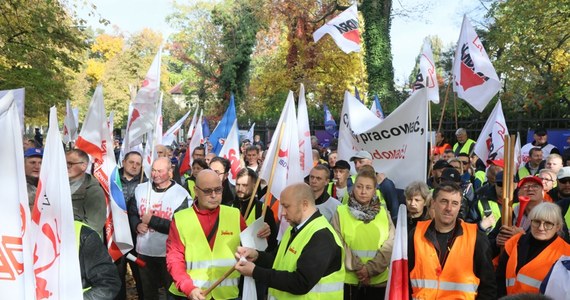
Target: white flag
[[250, 132], [19, 97], [397, 144], [344, 29], [143, 117], [192, 124], [95, 139], [16, 269], [427, 77], [518, 158], [491, 142], [287, 170], [305, 149], [69, 124], [346, 144], [197, 139], [57, 269], [169, 136], [230, 151], [474, 77]]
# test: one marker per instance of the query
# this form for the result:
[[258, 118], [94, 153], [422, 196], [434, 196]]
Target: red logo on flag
[[134, 116]]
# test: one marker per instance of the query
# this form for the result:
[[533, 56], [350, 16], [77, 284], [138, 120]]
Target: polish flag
[[95, 139], [344, 29], [230, 151], [16, 268], [69, 124], [305, 149], [397, 287], [56, 260]]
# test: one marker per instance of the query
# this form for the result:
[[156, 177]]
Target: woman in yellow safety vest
[[367, 232]]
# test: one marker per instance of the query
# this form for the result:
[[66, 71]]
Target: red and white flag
[[197, 139], [170, 135], [491, 142], [305, 149], [398, 277], [284, 145], [474, 77], [230, 151], [344, 29], [16, 260], [56, 263], [69, 124], [143, 117], [427, 77], [192, 124], [95, 139]]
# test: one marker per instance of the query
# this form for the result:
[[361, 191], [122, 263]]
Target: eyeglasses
[[209, 192], [219, 173], [465, 163], [71, 164], [564, 180], [545, 179], [531, 187], [547, 225]]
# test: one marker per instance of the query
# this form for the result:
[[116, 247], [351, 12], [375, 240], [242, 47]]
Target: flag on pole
[[205, 128], [16, 271], [518, 158], [95, 139], [170, 135], [491, 142], [305, 149], [285, 152], [69, 124], [143, 117], [250, 133], [19, 98], [344, 29], [398, 274], [376, 108], [197, 139], [230, 151], [427, 75], [192, 124], [56, 264], [218, 136], [330, 123], [474, 77]]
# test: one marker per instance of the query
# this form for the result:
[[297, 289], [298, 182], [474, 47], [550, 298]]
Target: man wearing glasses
[[202, 242], [87, 196], [151, 218]]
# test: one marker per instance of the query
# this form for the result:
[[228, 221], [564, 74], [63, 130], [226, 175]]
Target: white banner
[[474, 77], [491, 141], [230, 151], [305, 150], [16, 261], [427, 77], [398, 144]]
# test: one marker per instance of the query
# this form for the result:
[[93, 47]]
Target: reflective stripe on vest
[[456, 280], [364, 239], [531, 275], [328, 287], [205, 265], [444, 285]]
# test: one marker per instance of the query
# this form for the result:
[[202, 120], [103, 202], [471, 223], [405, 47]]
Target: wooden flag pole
[[275, 157], [249, 205], [506, 216], [444, 104], [213, 286]]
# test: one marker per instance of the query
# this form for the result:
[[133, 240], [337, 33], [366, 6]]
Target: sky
[[441, 17]]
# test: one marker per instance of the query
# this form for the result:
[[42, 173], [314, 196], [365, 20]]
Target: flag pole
[[455, 110], [252, 197], [444, 103], [275, 156], [429, 168], [152, 142]]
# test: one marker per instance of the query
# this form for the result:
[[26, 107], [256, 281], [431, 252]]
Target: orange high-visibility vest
[[531, 275], [456, 279]]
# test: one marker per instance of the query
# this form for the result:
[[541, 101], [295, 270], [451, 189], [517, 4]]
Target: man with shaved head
[[151, 218], [201, 243], [308, 261]]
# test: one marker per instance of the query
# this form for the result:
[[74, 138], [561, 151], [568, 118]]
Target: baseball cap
[[530, 179], [440, 164], [540, 131], [361, 154], [564, 173], [496, 162], [341, 164], [450, 174], [34, 152]]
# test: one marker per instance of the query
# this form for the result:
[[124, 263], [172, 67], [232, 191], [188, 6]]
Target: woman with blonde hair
[[367, 232], [529, 256]]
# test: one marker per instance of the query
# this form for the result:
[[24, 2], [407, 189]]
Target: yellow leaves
[[95, 70], [108, 46]]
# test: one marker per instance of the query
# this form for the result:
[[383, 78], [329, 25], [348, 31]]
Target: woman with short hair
[[418, 199]]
